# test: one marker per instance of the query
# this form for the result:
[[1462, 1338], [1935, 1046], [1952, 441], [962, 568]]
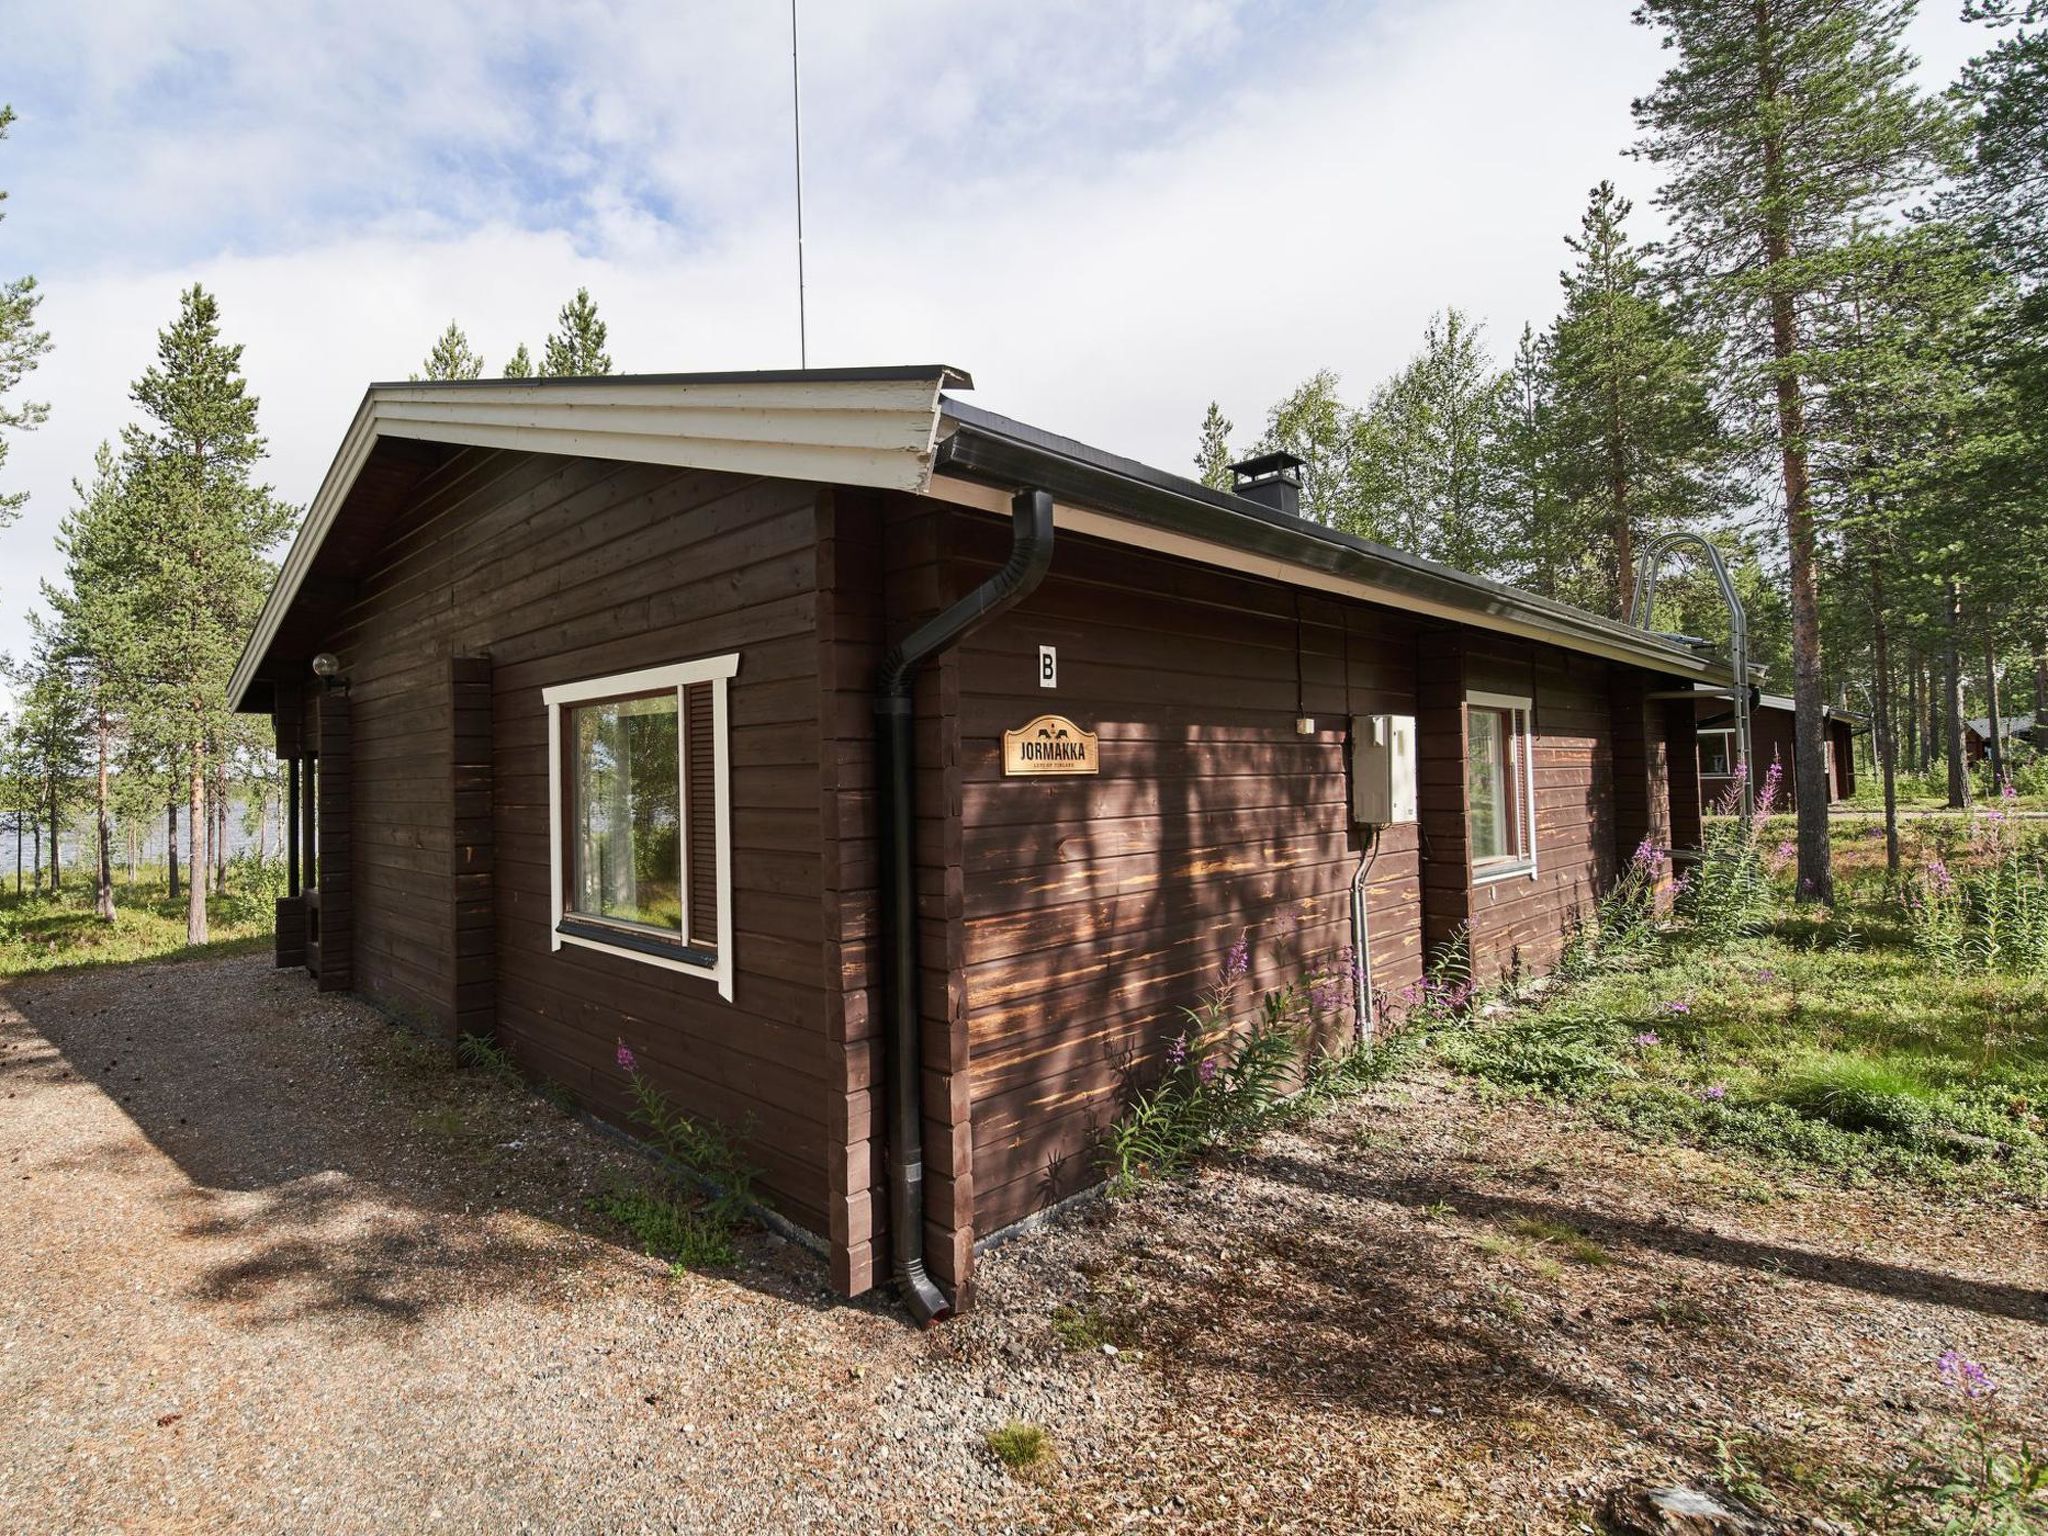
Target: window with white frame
[[639, 825], [1717, 754], [1500, 785]]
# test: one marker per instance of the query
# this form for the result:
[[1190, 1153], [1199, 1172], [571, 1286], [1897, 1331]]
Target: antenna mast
[[796, 109]]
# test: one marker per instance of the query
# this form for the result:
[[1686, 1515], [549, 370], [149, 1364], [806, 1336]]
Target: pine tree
[[1553, 550], [99, 635], [194, 529], [520, 364], [451, 358], [1426, 464], [577, 346], [1634, 432], [21, 347], [1780, 123], [1212, 453]]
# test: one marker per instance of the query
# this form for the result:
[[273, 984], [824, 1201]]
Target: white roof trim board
[[843, 428]]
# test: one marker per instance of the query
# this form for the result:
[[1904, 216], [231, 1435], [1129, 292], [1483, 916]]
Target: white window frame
[[1523, 709], [1727, 731], [717, 671]]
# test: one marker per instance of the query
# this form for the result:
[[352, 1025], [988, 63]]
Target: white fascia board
[[868, 432]]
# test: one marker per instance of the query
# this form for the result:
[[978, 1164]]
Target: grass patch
[[41, 932], [1575, 1245], [688, 1235], [1089, 1327], [1823, 1039], [1021, 1446]]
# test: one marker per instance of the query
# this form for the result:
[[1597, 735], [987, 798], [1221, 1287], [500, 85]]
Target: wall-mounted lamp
[[1304, 725], [328, 670]]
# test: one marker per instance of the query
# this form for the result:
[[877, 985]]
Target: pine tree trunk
[[56, 830], [36, 864], [1997, 741], [1881, 718], [171, 844], [1810, 745], [104, 897], [195, 832], [1617, 492], [1952, 702]]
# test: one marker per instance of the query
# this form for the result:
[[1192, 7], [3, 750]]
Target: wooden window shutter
[[701, 856]]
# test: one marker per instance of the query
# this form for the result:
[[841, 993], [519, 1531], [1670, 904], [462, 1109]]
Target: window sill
[[670, 954], [1493, 874]]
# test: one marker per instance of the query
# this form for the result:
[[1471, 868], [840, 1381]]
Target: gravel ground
[[265, 1266]]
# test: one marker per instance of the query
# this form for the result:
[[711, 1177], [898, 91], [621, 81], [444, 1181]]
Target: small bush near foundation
[[689, 1237], [694, 1222], [1020, 1446]]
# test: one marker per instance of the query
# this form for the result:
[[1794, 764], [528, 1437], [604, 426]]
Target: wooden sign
[[1049, 744]]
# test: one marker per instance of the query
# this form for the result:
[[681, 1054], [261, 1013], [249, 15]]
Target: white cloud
[[1110, 216]]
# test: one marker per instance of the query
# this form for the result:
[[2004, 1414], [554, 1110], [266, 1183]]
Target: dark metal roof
[[995, 450], [948, 376]]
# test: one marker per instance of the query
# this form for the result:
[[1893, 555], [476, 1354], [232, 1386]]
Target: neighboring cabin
[[609, 748], [1773, 738]]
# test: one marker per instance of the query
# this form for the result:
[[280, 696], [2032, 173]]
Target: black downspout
[[895, 741]]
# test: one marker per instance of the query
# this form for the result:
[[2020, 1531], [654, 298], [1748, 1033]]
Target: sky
[[1109, 214]]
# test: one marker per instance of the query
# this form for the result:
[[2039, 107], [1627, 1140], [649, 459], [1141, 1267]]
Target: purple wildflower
[[1715, 1093], [1763, 975], [1965, 1375], [1939, 877], [628, 1062], [1238, 962], [1678, 1005], [2008, 790], [1648, 1038], [1648, 857], [1325, 993], [1207, 1070], [1177, 1053]]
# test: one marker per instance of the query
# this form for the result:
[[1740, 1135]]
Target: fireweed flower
[[1965, 1374], [1678, 1005], [1207, 1070], [1239, 960], [628, 1062], [1939, 877], [1714, 1094], [1648, 1038], [1177, 1053]]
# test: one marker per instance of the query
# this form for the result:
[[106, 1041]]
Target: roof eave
[[995, 451]]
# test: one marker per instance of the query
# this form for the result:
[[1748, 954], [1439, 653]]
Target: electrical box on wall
[[1382, 769]]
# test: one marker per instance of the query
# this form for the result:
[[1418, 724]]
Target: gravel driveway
[[265, 1266]]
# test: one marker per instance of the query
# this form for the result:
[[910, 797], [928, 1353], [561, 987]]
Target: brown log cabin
[[1773, 739], [697, 712]]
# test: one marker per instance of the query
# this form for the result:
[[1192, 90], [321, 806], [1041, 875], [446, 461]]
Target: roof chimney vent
[[1272, 480]]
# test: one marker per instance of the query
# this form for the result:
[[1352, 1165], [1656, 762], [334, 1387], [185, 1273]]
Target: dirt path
[[263, 1267]]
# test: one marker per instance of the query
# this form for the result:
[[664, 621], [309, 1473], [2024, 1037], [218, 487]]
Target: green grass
[[1020, 1446], [1825, 1041], [42, 932], [688, 1235]]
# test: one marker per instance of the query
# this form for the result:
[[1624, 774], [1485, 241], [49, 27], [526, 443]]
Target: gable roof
[[843, 426], [890, 428]]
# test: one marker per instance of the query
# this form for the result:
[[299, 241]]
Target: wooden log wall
[[1097, 907], [566, 569], [472, 916]]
